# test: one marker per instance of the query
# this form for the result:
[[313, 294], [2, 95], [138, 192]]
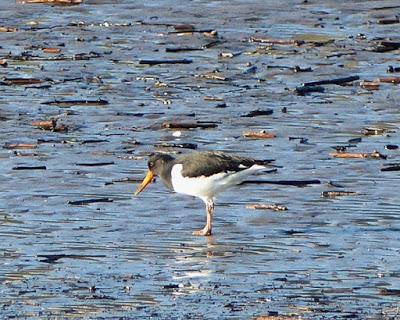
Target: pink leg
[[206, 231]]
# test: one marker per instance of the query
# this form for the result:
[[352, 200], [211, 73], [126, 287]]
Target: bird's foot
[[203, 232]]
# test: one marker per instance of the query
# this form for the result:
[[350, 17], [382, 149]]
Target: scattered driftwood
[[391, 167], [8, 145], [189, 125], [87, 141], [276, 41], [8, 29], [303, 90], [296, 183], [188, 29], [294, 69], [29, 168], [346, 155], [354, 140], [388, 21], [70, 103], [51, 50], [385, 46], [261, 206], [172, 61], [394, 80], [258, 112], [334, 194], [176, 145], [95, 164], [258, 135], [52, 2], [53, 258], [370, 85], [20, 81], [228, 55], [182, 49], [338, 81], [89, 201], [210, 33], [371, 131], [392, 69], [209, 98], [215, 75], [389, 292], [45, 124], [302, 140]]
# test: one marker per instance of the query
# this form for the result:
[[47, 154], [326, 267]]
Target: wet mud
[[89, 90]]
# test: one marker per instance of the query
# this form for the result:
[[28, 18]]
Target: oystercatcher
[[200, 174]]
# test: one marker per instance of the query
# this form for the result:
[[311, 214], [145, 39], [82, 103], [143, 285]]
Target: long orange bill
[[146, 181]]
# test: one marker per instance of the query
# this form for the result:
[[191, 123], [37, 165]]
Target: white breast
[[207, 188]]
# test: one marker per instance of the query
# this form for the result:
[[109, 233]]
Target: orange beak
[[146, 181]]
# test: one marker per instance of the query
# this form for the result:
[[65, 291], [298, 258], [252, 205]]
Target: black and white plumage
[[200, 174]]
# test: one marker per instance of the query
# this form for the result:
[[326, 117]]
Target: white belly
[[207, 188]]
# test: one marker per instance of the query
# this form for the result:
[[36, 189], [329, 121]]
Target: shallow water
[[135, 256]]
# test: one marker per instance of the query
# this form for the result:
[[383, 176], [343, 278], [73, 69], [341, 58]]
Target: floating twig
[[394, 80], [259, 135], [392, 167], [172, 61], [371, 131], [276, 41], [20, 81], [51, 50], [8, 145], [89, 201], [296, 183], [345, 155], [334, 194], [389, 292], [45, 124], [3, 63], [182, 49], [176, 145], [392, 69], [95, 164], [258, 112], [303, 90], [70, 103], [53, 2], [385, 46], [388, 21], [261, 206], [332, 81], [213, 76], [189, 125], [29, 168], [370, 85], [209, 98], [8, 29]]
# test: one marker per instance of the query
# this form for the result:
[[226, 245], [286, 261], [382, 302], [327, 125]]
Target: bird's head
[[156, 164]]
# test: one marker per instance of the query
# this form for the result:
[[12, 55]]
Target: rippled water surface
[[122, 256]]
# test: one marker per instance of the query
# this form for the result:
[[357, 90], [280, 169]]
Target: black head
[[158, 162]]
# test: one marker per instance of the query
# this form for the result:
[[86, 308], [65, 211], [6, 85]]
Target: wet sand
[[77, 244]]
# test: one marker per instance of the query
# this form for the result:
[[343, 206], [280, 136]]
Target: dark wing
[[209, 163]]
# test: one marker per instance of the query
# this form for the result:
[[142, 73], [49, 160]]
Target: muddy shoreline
[[88, 91]]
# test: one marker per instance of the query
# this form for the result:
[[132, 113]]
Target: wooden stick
[[261, 206], [346, 155], [155, 62], [258, 135], [332, 81]]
